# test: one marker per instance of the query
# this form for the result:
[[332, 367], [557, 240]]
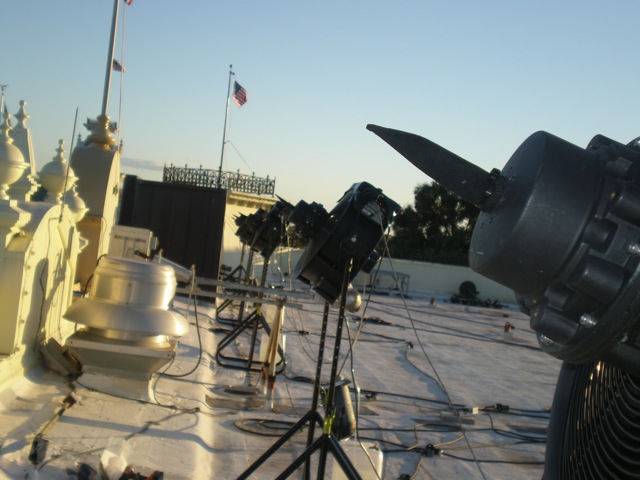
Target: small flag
[[128, 2], [239, 94], [117, 66], [6, 115]]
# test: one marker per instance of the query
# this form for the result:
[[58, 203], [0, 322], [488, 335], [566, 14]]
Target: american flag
[[239, 94], [117, 66]]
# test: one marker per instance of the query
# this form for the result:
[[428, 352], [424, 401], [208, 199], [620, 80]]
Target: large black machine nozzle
[[560, 225]]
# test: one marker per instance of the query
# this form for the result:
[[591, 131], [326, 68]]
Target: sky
[[475, 77]]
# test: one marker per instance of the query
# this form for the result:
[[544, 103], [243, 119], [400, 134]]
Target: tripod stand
[[327, 442], [253, 321], [227, 303]]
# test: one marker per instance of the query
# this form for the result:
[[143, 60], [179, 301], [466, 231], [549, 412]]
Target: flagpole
[[224, 130], [122, 70], [112, 46], [2, 107]]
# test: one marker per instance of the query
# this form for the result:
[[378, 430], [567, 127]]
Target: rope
[[122, 44]]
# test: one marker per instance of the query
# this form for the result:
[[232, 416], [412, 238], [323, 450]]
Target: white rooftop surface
[[192, 428]]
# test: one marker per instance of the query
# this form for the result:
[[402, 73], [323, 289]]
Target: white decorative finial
[[101, 134], [76, 205], [12, 163], [6, 127], [27, 185], [57, 177], [22, 116]]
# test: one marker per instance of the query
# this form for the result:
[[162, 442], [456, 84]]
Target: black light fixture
[[560, 225], [263, 231], [340, 244], [350, 232]]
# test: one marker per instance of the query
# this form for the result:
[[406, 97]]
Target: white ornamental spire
[[12, 164]]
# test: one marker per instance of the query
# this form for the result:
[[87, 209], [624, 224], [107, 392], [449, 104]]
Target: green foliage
[[294, 239], [437, 228]]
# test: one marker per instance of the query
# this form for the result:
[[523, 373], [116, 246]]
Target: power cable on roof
[[439, 380]]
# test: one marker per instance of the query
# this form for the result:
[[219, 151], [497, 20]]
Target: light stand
[[253, 321], [327, 442], [228, 302], [341, 243], [262, 232], [269, 364], [240, 270]]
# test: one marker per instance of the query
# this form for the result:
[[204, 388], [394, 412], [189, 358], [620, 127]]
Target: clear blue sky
[[476, 77]]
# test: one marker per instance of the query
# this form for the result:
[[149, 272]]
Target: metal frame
[[205, 177], [253, 321], [327, 442]]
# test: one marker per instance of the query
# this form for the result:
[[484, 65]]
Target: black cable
[[457, 333], [435, 428], [444, 428], [435, 313], [505, 462], [412, 397], [515, 412], [269, 427], [195, 313], [299, 378], [357, 397], [130, 399], [374, 393], [88, 282]]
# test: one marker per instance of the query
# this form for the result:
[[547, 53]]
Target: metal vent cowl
[[129, 300]]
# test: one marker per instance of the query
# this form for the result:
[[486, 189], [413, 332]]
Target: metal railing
[[204, 177]]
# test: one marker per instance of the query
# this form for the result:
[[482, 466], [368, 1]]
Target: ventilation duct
[[125, 321]]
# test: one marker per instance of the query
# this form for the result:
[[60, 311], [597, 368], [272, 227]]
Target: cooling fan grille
[[600, 414]]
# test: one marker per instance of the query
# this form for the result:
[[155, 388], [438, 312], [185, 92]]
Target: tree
[[436, 228]]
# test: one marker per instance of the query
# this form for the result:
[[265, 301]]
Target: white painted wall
[[37, 268], [424, 277], [239, 204], [436, 277]]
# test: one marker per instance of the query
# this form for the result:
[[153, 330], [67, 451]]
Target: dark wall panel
[[188, 221]]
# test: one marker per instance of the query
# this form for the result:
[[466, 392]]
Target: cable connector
[[458, 417], [501, 408], [373, 396], [469, 410], [431, 451]]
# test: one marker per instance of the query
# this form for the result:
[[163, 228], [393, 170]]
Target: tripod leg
[[226, 341], [342, 459], [316, 384], [269, 365], [254, 333], [254, 336], [258, 319], [246, 282], [304, 457], [310, 417], [324, 443], [322, 461], [241, 327], [331, 441]]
